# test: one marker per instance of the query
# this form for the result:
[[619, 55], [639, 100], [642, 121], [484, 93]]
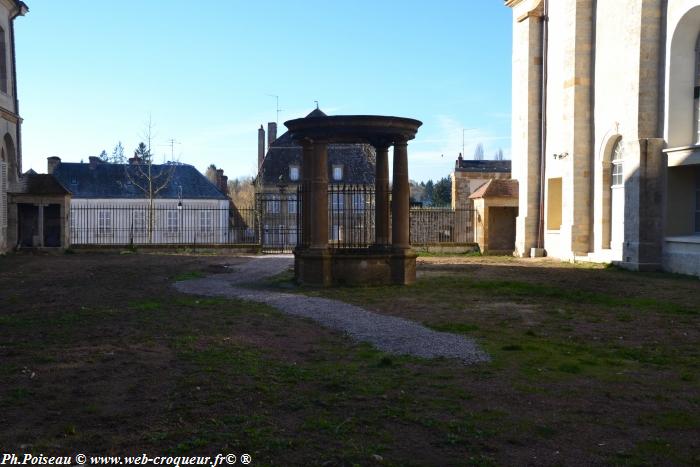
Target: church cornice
[[531, 8], [10, 116]]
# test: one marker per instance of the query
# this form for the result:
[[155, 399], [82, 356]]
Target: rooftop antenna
[[277, 107], [172, 142], [463, 130]]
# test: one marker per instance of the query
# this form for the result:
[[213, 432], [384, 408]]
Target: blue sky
[[90, 74]]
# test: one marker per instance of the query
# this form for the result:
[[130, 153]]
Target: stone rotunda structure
[[390, 259]]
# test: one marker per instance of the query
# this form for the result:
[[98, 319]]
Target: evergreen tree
[[142, 152], [442, 193], [429, 192]]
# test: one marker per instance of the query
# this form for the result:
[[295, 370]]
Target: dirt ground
[[592, 366]]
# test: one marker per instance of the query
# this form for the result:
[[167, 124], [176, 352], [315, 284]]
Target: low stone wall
[[681, 255], [203, 248], [361, 266], [456, 248]]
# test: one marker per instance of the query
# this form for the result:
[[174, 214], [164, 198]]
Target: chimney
[[271, 133], [261, 146], [94, 160], [221, 181], [219, 177], [51, 163], [224, 184], [458, 164]]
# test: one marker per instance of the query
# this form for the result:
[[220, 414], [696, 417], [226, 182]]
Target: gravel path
[[387, 333]]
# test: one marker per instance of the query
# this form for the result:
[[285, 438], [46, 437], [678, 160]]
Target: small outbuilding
[[39, 208], [495, 211], [470, 174]]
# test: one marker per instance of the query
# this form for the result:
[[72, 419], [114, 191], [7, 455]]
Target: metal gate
[[278, 221]]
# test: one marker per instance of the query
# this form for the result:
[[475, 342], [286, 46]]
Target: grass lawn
[[99, 354]]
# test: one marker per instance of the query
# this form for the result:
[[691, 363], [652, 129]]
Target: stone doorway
[[39, 225]]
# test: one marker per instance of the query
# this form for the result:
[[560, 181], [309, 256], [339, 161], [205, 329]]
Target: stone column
[[381, 207], [319, 197], [526, 121], [645, 168], [306, 175], [400, 207]]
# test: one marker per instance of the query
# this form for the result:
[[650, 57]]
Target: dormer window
[[294, 173], [337, 172]]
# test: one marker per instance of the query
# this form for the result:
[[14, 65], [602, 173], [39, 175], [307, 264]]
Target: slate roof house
[[110, 204], [351, 174]]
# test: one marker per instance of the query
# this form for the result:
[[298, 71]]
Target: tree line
[[431, 193], [117, 155]]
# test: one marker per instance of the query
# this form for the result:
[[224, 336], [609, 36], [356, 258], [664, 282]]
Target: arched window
[[3, 61], [13, 167], [616, 159], [617, 196]]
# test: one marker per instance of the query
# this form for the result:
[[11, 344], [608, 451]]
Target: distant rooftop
[[473, 165], [358, 160], [496, 188], [105, 180], [33, 183]]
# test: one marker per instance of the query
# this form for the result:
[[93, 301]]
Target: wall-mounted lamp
[[563, 155]]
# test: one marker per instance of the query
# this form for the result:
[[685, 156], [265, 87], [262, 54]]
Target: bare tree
[[148, 134], [117, 156], [499, 155], [417, 191], [242, 192], [148, 177], [210, 173], [479, 152]]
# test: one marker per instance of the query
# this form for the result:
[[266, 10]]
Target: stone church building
[[606, 131], [10, 121]]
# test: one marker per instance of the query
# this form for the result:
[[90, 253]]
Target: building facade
[[606, 104], [110, 204], [10, 121]]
